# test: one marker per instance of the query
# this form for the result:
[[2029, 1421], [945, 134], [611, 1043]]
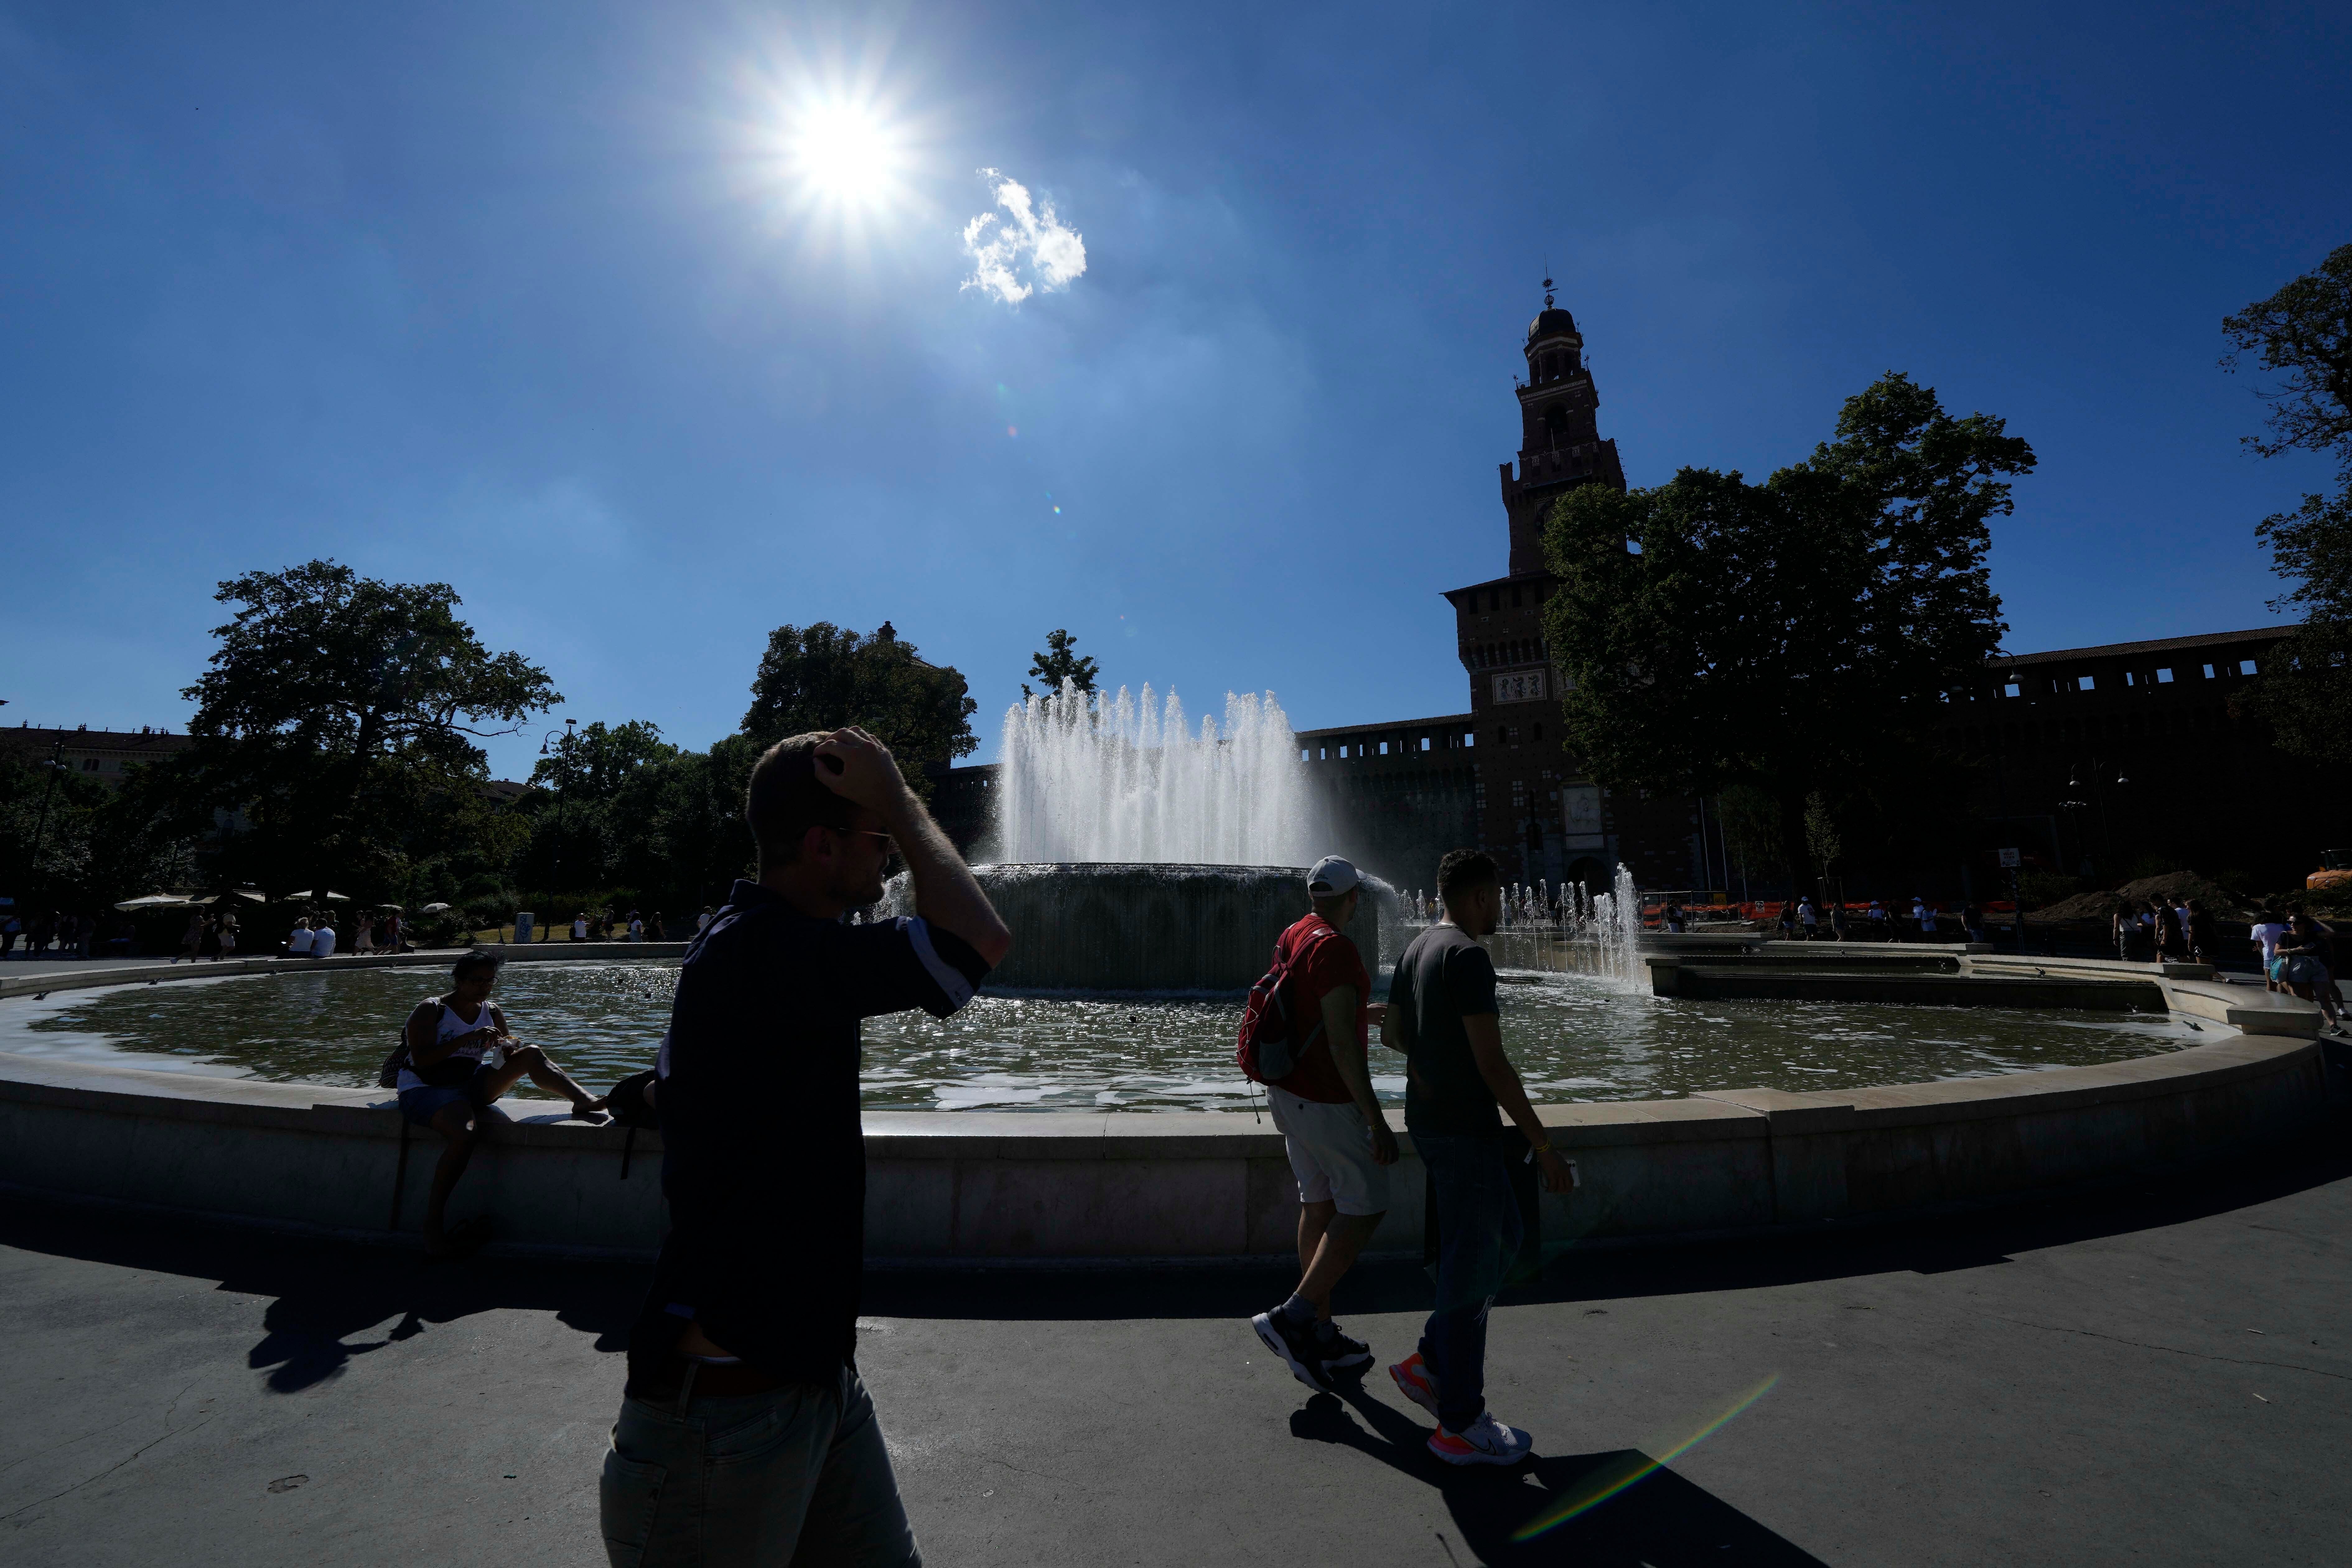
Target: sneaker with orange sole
[[1414, 1381], [1484, 1441]]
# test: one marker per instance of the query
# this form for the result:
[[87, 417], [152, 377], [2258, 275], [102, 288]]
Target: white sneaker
[[1486, 1441]]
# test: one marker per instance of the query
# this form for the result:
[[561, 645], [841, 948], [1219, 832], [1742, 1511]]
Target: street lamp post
[[2095, 772], [41, 822], [563, 744]]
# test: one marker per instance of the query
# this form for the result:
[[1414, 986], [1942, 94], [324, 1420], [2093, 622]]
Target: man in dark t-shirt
[[744, 1389], [1459, 1085], [1339, 1144]]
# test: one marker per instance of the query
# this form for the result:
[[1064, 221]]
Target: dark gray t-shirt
[[1444, 978]]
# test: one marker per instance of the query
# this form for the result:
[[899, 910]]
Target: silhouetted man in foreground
[[745, 1435]]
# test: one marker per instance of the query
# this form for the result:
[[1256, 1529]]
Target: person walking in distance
[[745, 1435], [2269, 927], [1339, 1144], [1442, 1014]]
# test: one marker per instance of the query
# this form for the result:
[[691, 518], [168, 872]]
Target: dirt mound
[[2218, 899]]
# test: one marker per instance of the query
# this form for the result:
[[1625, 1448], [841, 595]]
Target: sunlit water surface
[[1571, 1037]]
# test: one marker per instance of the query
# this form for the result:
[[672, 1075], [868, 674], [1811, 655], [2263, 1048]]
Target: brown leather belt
[[724, 1381]]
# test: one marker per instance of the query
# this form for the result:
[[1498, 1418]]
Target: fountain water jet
[[1125, 780], [1139, 855]]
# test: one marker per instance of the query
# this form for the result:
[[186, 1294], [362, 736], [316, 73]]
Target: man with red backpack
[[1317, 1001]]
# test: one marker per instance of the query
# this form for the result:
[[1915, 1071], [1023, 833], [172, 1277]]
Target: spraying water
[[1126, 778], [1573, 928]]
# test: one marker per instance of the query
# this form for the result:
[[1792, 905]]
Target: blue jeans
[[1478, 1235], [795, 1476]]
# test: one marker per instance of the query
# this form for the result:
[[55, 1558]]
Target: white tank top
[[451, 1027]]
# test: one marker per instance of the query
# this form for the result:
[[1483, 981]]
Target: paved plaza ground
[[2157, 1375]]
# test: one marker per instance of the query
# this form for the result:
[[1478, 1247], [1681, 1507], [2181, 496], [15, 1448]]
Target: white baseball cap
[[1333, 878]]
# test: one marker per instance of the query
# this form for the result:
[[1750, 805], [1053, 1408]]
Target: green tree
[[1714, 634], [1751, 823], [1061, 662], [596, 763], [2303, 336], [68, 839], [339, 715], [822, 677], [1822, 844]]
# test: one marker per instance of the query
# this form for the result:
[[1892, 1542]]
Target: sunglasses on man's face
[[889, 845]]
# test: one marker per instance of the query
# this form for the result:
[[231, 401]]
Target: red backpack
[[1270, 1044]]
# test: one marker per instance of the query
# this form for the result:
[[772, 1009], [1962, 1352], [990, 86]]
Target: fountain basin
[[1114, 927], [995, 1186]]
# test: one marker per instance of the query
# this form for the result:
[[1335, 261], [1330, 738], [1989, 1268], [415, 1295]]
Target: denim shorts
[[422, 1105]]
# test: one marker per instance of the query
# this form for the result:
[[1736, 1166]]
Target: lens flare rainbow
[[1610, 1479]]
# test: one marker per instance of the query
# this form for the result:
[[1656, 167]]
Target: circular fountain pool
[[1573, 1038]]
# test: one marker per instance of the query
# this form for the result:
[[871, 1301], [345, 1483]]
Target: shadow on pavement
[[326, 1293], [1982, 1237], [1661, 1519]]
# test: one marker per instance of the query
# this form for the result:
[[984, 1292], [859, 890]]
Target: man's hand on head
[[859, 768]]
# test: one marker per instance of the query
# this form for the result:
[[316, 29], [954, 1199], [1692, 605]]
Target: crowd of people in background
[[59, 933]]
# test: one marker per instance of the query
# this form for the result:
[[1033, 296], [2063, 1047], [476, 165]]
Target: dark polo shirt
[[764, 1164]]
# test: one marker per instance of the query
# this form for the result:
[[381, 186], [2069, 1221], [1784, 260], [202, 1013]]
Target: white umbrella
[[158, 902], [393, 909], [434, 910]]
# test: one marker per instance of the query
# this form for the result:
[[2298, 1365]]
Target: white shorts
[[1330, 1153]]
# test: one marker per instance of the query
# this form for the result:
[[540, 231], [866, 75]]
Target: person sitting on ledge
[[298, 942], [445, 1085]]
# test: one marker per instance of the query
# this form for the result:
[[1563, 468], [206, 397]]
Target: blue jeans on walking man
[[796, 1478], [1478, 1235]]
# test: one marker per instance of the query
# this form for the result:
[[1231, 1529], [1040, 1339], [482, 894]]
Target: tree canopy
[[338, 715], [822, 677], [64, 837], [2302, 335], [1788, 639], [598, 762], [1061, 662]]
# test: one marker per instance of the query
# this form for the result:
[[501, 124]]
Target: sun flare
[[846, 153]]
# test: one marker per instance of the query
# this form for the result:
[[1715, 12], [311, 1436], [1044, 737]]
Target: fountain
[[1135, 854], [1123, 780]]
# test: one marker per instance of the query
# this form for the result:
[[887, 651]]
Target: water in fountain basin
[[1571, 1038]]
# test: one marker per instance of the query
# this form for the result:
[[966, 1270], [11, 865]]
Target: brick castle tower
[[1534, 810]]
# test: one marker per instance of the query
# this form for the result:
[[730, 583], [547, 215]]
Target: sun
[[846, 153]]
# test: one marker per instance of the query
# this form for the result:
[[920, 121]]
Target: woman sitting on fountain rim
[[444, 1085]]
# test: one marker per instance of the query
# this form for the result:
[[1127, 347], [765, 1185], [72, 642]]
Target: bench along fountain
[[1146, 866]]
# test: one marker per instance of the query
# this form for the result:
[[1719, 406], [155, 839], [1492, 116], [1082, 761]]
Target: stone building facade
[[2099, 761], [101, 755]]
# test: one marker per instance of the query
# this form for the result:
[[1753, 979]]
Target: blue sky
[[534, 299]]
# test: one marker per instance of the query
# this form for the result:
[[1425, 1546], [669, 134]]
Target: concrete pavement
[[2159, 1374]]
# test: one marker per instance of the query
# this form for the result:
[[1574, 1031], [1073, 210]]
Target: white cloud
[[1027, 249]]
